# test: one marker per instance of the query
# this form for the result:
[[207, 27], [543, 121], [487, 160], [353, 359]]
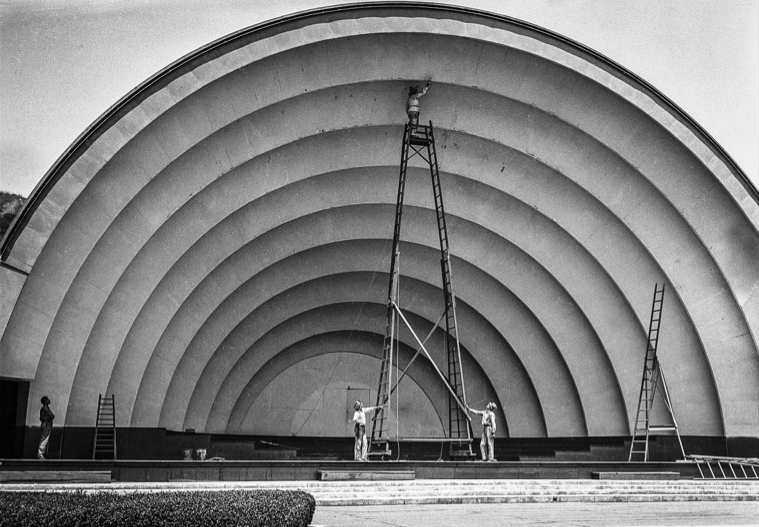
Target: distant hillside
[[10, 204]]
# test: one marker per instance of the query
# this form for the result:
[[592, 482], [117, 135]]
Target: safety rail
[[747, 468]]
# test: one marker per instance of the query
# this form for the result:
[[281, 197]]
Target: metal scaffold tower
[[419, 141], [653, 380]]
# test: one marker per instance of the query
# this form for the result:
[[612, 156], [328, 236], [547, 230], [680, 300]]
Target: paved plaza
[[542, 514]]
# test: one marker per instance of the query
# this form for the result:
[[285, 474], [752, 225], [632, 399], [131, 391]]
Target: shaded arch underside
[[245, 208]]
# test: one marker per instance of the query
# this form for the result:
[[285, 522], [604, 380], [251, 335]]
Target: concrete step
[[496, 497], [520, 483], [360, 475], [501, 490], [635, 475], [522, 491], [578, 498], [560, 491], [534, 486], [397, 492]]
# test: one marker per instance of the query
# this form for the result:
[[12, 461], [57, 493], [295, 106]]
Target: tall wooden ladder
[[653, 380], [105, 429], [379, 445], [420, 142]]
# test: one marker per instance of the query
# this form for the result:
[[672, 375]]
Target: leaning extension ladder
[[653, 379], [726, 467], [105, 429], [420, 141]]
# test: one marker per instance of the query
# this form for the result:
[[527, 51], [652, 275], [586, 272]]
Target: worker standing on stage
[[488, 431], [412, 104], [359, 429]]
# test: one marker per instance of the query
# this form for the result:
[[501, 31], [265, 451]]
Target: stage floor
[[270, 470]]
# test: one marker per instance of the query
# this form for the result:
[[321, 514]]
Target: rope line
[[350, 336]]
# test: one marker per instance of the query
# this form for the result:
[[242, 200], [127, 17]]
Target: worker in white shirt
[[488, 430], [359, 429]]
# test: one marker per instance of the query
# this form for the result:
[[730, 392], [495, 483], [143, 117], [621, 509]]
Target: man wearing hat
[[488, 430]]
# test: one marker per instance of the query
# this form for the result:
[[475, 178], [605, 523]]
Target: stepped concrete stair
[[434, 491]]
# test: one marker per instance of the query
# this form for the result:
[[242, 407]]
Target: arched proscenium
[[240, 203]]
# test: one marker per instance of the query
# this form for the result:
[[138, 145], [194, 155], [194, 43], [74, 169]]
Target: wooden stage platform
[[309, 470]]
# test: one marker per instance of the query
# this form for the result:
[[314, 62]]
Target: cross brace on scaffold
[[419, 141]]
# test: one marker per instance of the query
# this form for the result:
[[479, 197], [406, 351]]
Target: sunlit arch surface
[[234, 212]]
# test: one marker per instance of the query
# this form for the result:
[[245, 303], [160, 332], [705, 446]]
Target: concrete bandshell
[[559, 160]]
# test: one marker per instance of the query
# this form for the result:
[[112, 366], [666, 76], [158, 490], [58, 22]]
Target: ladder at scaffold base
[[419, 141], [653, 380]]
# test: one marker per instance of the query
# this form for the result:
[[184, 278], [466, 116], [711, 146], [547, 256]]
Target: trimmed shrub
[[265, 507]]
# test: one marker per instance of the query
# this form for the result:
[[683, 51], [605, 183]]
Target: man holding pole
[[359, 429], [488, 431]]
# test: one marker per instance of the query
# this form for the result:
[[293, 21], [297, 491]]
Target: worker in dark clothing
[[412, 104], [46, 426]]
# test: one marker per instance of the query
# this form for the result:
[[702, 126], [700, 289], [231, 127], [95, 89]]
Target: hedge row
[[271, 508]]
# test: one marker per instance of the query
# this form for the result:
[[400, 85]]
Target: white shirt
[[488, 418], [359, 416]]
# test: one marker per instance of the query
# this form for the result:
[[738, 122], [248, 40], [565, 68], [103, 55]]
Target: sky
[[65, 62]]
